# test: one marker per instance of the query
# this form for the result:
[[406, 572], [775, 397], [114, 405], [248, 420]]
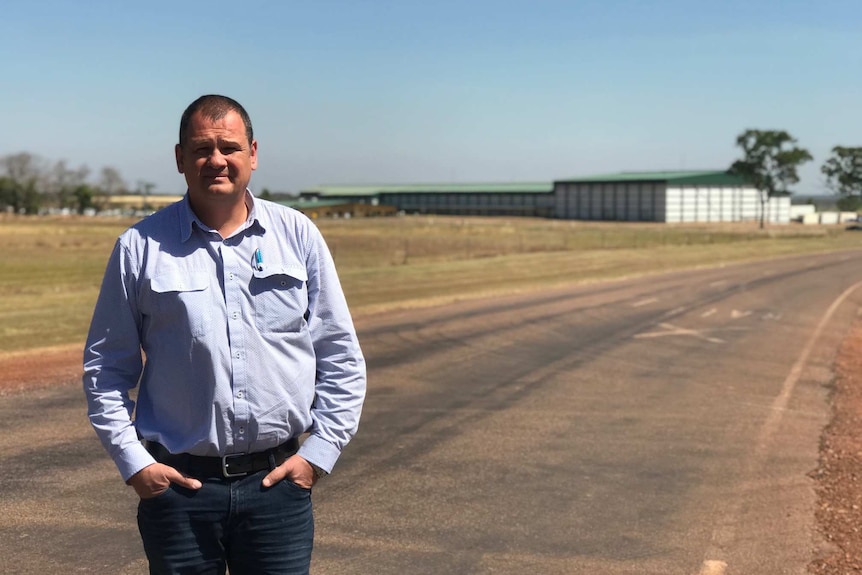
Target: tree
[[24, 171], [145, 189], [849, 204], [22, 167], [769, 163], [30, 182], [843, 171], [31, 198], [7, 193], [111, 182], [62, 181], [84, 198]]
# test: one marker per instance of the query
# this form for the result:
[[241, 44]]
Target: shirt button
[[239, 394], [230, 275], [241, 430], [238, 355], [235, 315]]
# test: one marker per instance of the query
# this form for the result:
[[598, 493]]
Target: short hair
[[214, 107]]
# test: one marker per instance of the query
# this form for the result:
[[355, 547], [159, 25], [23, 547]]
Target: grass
[[50, 272], [51, 268]]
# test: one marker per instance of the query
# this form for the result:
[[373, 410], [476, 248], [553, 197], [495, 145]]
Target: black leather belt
[[233, 465]]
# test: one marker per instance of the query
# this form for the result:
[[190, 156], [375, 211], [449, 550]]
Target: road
[[657, 425]]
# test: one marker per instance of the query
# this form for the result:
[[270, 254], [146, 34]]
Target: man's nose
[[216, 159]]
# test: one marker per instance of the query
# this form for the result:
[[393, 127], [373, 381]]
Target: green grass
[[51, 268]]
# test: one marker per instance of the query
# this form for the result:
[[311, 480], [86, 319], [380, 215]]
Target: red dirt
[[839, 474], [43, 368]]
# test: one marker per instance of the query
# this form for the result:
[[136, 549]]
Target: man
[[236, 307]]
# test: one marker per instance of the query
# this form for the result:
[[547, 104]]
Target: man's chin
[[221, 188]]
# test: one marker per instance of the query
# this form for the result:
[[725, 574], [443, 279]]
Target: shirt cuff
[[132, 459], [319, 452]]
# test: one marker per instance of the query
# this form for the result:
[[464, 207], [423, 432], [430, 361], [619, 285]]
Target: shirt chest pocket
[[280, 298], [182, 299]]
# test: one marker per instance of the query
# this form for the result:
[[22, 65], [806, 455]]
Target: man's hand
[[155, 479], [295, 469]]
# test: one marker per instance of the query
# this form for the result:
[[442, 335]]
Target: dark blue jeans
[[234, 523]]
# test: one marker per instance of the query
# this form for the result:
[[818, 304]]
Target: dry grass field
[[51, 267], [408, 261]]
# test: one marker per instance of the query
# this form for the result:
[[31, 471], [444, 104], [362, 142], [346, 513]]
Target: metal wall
[[722, 204], [634, 202], [657, 202], [473, 204], [706, 204]]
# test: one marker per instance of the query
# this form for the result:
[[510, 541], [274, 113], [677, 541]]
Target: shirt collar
[[256, 216], [188, 219]]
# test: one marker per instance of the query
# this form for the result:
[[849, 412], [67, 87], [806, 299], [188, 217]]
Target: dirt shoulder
[[22, 371], [839, 474]]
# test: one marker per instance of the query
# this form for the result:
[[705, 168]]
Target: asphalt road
[[662, 425]]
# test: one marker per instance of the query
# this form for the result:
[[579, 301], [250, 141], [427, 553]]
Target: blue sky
[[411, 91]]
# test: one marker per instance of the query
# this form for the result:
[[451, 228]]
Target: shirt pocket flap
[[179, 282], [293, 270]]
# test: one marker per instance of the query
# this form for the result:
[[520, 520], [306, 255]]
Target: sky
[[432, 91]]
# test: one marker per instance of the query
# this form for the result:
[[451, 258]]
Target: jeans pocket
[[297, 489]]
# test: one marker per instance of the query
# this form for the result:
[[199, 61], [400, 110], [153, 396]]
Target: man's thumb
[[183, 481]]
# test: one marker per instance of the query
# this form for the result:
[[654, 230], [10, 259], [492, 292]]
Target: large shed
[[689, 196], [471, 199]]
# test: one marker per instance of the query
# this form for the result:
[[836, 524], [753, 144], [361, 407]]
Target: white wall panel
[[674, 205], [654, 201]]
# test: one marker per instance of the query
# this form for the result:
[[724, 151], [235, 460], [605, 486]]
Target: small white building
[[703, 196], [801, 212]]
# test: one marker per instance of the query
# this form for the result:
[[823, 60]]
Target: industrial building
[[706, 196], [509, 199], [685, 196]]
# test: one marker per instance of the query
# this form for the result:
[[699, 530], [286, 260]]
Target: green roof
[[473, 188], [704, 178]]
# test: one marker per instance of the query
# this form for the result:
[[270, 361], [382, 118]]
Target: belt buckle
[[224, 466]]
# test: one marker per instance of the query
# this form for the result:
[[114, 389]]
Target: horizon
[[452, 92]]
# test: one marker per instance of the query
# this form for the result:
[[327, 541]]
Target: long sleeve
[[341, 375], [113, 364]]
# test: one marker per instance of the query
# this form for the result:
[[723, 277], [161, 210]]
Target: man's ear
[[253, 153], [178, 152]]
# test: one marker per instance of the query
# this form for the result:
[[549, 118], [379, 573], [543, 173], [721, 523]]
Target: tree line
[[770, 163], [29, 183], [771, 160]]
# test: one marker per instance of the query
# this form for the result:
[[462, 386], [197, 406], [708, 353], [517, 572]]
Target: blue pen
[[258, 260]]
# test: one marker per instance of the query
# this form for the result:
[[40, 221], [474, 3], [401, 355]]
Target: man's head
[[217, 151], [214, 107]]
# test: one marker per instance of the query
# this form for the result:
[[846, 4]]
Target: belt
[[233, 465]]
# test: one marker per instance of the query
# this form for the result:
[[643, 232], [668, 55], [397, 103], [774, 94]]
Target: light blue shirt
[[247, 340]]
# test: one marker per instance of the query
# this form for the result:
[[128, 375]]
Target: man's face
[[217, 159]]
